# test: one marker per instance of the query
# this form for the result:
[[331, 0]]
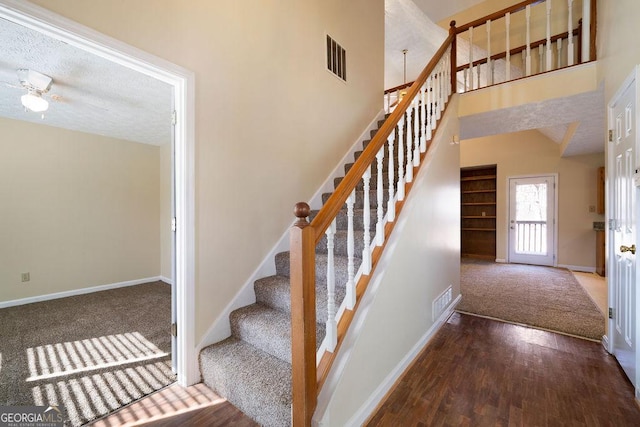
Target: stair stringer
[[448, 127], [221, 327]]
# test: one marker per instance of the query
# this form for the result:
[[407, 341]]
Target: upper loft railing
[[401, 144], [528, 38]]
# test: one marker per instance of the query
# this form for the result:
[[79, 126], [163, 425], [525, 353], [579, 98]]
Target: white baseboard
[[74, 292], [501, 261], [581, 268], [166, 279], [221, 328], [361, 416], [605, 342]]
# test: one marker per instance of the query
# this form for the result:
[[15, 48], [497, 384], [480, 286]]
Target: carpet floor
[[89, 354], [543, 297]]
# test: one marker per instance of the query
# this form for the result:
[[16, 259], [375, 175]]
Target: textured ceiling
[[410, 25], [95, 95], [551, 117]]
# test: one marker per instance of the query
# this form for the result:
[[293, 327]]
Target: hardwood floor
[[174, 406], [480, 372], [475, 372]]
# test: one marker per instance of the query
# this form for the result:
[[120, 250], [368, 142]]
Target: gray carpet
[[543, 297], [90, 354]]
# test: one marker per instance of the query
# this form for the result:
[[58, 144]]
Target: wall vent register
[[336, 59]]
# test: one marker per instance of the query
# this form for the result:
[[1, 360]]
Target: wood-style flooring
[[474, 372], [175, 406], [480, 372]]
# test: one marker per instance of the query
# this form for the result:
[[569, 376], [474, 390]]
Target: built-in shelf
[[480, 204], [478, 211], [477, 178]]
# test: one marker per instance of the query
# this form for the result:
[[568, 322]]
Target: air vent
[[336, 59]]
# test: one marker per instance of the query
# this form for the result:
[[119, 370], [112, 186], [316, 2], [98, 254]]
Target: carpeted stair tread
[[340, 242], [340, 263], [359, 203], [358, 219], [373, 183], [275, 292], [266, 329], [256, 382]]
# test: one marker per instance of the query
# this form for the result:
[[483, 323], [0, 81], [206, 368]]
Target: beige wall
[[424, 261], [271, 122], [77, 210], [530, 152], [618, 49]]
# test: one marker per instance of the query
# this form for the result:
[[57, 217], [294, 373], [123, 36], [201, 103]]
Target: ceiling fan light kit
[[36, 84], [33, 101]]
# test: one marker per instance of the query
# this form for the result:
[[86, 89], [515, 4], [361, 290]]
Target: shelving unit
[[478, 211]]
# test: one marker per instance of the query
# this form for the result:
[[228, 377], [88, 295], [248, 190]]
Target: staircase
[[252, 368]]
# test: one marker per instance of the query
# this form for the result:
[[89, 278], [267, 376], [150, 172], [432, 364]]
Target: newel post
[[303, 318], [454, 57]]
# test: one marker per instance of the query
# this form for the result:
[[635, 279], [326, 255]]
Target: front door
[[622, 233], [531, 220]]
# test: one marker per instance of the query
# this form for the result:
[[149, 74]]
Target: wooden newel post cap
[[301, 211], [452, 23]]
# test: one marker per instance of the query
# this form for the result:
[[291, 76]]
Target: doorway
[[182, 84], [623, 188], [532, 212]]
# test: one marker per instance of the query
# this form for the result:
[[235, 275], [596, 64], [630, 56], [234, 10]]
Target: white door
[[532, 220], [622, 233]]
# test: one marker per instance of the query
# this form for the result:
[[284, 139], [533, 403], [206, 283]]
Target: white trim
[[581, 268], [362, 414], [75, 292], [221, 328], [183, 82], [605, 342], [167, 280], [501, 261]]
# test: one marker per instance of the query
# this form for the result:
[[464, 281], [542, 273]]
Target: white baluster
[[489, 73], [332, 327], [570, 53], [366, 219], [528, 42], [586, 30], [507, 21], [429, 106], [423, 114], [401, 159], [408, 174], [350, 297], [478, 68], [465, 76], [471, 58], [379, 197], [388, 102], [559, 53], [391, 205], [540, 59], [549, 54], [440, 92], [416, 131]]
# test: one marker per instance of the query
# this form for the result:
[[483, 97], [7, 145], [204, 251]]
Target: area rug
[[542, 297], [89, 354]]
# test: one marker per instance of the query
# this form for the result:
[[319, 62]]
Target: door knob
[[631, 249]]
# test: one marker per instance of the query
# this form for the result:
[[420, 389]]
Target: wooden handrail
[[335, 202], [497, 15], [399, 87]]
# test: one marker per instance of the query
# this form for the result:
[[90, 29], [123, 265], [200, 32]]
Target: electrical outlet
[[26, 277]]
